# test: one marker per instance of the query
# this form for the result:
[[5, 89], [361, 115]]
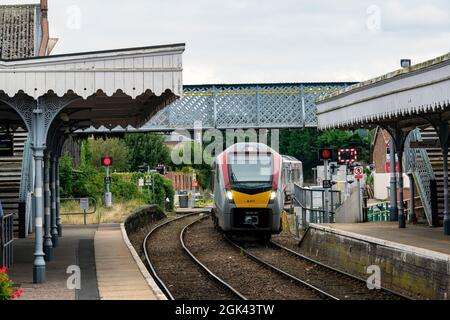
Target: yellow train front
[[248, 190]]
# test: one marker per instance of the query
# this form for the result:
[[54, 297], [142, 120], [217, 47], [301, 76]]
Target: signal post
[[107, 198]]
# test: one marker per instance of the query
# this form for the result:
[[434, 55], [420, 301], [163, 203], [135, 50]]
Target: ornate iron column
[[444, 139], [54, 227], [412, 206], [58, 200], [393, 190], [38, 157], [48, 245]]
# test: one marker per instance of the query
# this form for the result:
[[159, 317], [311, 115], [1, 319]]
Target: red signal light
[[107, 161], [325, 154]]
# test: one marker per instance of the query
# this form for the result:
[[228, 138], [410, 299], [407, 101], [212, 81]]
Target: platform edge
[[150, 281], [403, 247]]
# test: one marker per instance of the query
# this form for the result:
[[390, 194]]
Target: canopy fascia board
[[395, 95], [133, 71]]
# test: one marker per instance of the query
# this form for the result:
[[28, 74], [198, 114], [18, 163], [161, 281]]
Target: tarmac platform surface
[[414, 235], [108, 269]]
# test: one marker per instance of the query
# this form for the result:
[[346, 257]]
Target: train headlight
[[229, 195], [273, 195]]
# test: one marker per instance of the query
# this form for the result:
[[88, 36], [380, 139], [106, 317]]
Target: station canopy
[[106, 88], [404, 97]]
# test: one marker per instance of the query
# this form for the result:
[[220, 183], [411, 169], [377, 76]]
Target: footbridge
[[232, 106], [239, 106]]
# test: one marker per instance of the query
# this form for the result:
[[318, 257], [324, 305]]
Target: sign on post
[[84, 204], [327, 184], [359, 173]]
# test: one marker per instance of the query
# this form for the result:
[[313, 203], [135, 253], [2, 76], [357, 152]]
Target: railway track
[[255, 280], [178, 273], [334, 283], [344, 285], [190, 260]]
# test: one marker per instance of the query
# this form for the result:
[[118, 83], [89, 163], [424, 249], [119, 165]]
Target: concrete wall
[[142, 218], [404, 269], [348, 212]]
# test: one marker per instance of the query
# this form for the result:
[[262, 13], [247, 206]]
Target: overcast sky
[[239, 41]]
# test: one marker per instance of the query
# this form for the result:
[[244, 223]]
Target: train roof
[[290, 159], [246, 147]]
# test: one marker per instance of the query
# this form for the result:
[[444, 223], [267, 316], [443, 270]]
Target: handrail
[[6, 238], [304, 197], [418, 162]]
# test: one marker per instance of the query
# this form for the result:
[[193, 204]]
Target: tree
[[146, 148], [304, 145], [112, 147]]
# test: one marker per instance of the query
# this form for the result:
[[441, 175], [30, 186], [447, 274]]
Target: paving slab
[[118, 275]]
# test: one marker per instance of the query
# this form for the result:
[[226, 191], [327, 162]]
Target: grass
[[116, 214]]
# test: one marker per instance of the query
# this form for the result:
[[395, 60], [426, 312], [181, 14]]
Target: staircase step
[[10, 159]]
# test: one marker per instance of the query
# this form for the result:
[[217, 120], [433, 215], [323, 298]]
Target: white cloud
[[237, 41]]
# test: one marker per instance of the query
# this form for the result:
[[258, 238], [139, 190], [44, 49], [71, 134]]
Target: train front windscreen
[[251, 169]]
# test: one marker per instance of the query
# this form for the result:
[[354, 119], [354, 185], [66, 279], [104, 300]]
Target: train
[[248, 190], [292, 174]]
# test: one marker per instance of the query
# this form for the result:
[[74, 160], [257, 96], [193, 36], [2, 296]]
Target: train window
[[250, 168]]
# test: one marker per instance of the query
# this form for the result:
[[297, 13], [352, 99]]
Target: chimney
[[44, 6], [44, 27]]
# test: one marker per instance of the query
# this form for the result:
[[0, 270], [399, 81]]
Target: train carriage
[[292, 174], [248, 190]]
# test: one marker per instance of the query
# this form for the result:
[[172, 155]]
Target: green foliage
[[146, 148], [203, 170], [65, 175], [115, 148], [304, 145]]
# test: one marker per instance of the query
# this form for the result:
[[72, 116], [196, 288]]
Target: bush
[[112, 147]]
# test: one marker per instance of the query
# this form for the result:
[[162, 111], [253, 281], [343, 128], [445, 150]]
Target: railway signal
[[107, 198], [325, 154], [107, 161], [347, 155]]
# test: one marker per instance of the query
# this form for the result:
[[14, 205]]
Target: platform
[[75, 248], [417, 236], [414, 261], [108, 269], [119, 277]]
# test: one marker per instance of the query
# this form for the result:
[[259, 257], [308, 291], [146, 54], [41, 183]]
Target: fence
[[379, 212], [84, 206], [6, 238], [312, 202]]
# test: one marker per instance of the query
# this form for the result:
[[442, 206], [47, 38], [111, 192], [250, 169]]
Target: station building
[[50, 97]]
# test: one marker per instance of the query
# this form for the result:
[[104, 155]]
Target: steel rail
[[204, 267], [301, 256], [278, 270], [158, 280]]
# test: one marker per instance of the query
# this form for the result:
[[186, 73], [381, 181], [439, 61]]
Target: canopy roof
[[111, 88], [403, 96]]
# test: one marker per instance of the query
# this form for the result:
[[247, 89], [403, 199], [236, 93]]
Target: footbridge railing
[[237, 106], [313, 204]]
